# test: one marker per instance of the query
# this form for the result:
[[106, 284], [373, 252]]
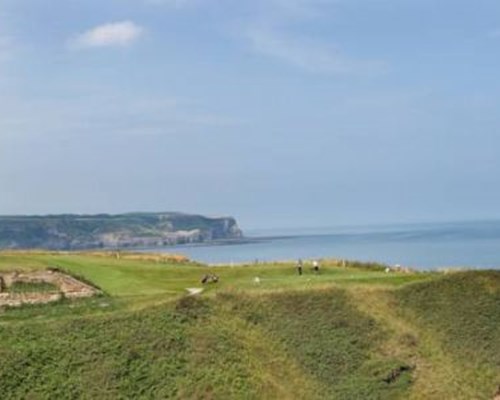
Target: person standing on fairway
[[316, 267], [299, 266]]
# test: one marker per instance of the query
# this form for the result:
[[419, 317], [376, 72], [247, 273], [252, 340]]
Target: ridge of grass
[[346, 333], [460, 315]]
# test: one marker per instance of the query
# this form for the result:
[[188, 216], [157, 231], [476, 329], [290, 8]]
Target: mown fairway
[[347, 333]]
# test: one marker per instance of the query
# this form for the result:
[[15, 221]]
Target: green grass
[[460, 313], [32, 287], [61, 309], [128, 356], [220, 347], [132, 278], [347, 333], [333, 343]]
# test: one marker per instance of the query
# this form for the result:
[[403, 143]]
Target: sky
[[282, 113]]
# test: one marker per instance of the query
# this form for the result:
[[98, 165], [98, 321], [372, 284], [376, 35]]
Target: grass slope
[[347, 333], [223, 347], [459, 319], [128, 356]]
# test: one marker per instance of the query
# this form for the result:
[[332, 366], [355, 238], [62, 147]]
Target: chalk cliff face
[[67, 232]]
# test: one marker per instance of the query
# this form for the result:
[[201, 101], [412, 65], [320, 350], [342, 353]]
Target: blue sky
[[283, 113]]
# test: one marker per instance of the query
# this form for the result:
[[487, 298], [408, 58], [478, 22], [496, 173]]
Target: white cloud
[[310, 55], [115, 34], [280, 29]]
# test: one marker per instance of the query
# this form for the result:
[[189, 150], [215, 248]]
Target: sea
[[420, 246]]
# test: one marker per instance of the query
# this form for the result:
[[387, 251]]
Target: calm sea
[[424, 246]]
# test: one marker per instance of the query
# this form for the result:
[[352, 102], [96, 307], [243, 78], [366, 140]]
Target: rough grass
[[346, 333], [32, 287], [223, 347], [464, 308], [327, 336], [136, 355], [459, 319]]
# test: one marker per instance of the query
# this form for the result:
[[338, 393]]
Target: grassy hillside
[[459, 316], [347, 333], [198, 349]]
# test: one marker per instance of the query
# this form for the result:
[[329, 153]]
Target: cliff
[[68, 232]]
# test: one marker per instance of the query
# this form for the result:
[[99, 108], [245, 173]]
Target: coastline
[[435, 247]]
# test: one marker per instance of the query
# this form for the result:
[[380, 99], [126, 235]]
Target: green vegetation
[[350, 332], [32, 287], [131, 355], [460, 313]]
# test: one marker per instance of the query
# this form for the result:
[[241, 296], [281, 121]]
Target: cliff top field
[[125, 275], [347, 332]]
